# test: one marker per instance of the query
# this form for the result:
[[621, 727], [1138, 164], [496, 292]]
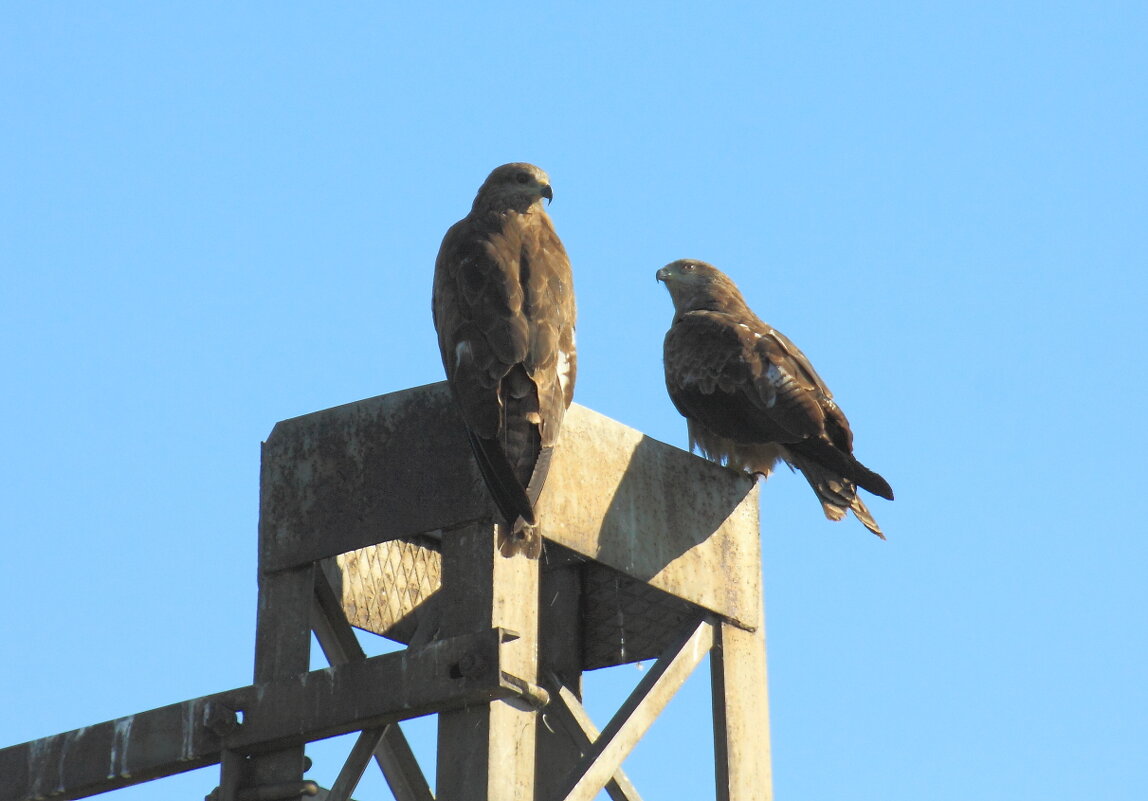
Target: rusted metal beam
[[447, 674]]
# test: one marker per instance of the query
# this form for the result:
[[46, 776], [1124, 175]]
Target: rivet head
[[471, 665]]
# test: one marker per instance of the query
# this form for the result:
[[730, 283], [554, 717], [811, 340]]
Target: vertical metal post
[[741, 712], [282, 649], [560, 659], [487, 752]]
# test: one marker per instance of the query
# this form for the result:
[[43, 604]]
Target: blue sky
[[216, 217]]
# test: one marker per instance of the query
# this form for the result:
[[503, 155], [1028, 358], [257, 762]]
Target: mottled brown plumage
[[504, 310], [751, 397]]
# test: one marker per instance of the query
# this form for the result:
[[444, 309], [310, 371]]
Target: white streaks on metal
[[403, 676], [117, 765], [187, 729], [38, 752], [70, 739]]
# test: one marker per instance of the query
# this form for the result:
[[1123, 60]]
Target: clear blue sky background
[[215, 216]]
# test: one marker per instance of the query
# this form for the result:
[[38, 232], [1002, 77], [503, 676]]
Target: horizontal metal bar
[[446, 674]]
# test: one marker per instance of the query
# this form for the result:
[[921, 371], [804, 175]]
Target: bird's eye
[[687, 268], [522, 177]]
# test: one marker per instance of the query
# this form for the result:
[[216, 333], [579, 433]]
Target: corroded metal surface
[[397, 466]]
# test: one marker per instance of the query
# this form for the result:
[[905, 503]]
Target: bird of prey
[[504, 311], [751, 397]]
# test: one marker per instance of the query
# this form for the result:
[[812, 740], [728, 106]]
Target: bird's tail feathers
[[509, 495], [515, 463], [538, 477], [523, 537], [837, 494], [519, 533], [844, 464], [861, 512]]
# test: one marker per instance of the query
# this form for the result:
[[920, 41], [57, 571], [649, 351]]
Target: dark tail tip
[[877, 485], [846, 464], [508, 494]]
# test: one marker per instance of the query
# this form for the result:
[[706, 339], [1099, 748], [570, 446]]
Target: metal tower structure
[[373, 515]]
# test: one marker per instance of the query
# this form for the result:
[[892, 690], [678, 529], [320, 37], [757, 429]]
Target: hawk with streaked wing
[[751, 397], [504, 311]]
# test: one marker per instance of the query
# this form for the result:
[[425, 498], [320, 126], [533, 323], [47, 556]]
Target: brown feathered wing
[[751, 397]]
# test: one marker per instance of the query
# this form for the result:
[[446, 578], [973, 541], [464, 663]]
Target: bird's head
[[517, 186], [695, 285]]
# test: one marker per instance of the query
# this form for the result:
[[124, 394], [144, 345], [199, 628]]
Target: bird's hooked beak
[[663, 274], [548, 193]]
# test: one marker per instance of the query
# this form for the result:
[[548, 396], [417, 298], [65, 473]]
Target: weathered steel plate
[[398, 466]]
